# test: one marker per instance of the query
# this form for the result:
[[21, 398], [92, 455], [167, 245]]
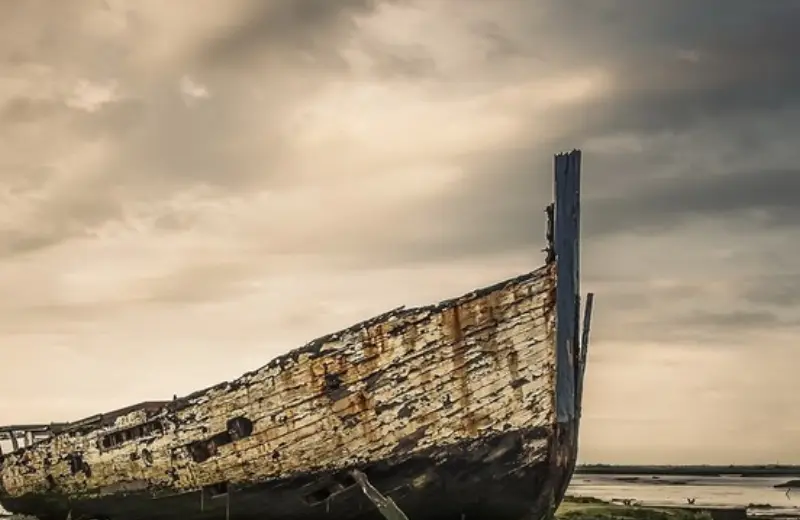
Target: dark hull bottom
[[463, 484]]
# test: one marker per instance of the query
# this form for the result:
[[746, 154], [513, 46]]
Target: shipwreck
[[468, 408]]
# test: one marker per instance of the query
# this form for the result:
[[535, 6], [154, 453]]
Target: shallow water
[[707, 491]]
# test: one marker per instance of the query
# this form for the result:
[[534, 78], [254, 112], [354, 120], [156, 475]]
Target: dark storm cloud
[[401, 61], [293, 30], [42, 35], [117, 117], [71, 214], [708, 78], [687, 313], [25, 110], [500, 207], [285, 50], [161, 141], [766, 198], [675, 62], [731, 319], [777, 290], [741, 60], [718, 69]]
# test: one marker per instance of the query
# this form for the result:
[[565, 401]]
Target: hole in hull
[[147, 457], [78, 465], [236, 429], [333, 487], [217, 489], [114, 439], [239, 428]]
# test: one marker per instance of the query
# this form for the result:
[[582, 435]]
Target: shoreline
[[694, 471], [590, 508]]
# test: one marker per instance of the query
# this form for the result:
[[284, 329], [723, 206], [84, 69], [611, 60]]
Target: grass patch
[[593, 509]]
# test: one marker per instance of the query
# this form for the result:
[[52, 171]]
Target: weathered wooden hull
[[450, 410], [451, 483]]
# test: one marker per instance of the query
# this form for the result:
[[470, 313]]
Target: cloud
[[776, 290], [184, 178], [192, 91], [762, 198]]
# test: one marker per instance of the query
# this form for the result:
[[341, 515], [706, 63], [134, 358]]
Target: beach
[[758, 494]]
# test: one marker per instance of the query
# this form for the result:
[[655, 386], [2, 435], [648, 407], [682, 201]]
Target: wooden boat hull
[[467, 407], [458, 483]]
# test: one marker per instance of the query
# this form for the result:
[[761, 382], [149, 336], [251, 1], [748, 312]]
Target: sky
[[189, 188]]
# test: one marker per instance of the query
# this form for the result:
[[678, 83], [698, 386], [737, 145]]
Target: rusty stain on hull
[[467, 383]]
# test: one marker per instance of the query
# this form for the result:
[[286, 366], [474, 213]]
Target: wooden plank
[[587, 322], [28, 427], [567, 168]]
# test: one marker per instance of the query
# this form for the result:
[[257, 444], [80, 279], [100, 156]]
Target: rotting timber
[[466, 408]]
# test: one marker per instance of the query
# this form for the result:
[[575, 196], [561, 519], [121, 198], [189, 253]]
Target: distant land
[[767, 470]]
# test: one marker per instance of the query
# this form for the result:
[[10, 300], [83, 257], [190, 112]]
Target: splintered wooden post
[[14, 441], [566, 245], [587, 322]]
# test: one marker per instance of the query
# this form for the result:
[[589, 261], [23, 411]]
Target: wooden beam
[[587, 322], [30, 427], [567, 181]]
